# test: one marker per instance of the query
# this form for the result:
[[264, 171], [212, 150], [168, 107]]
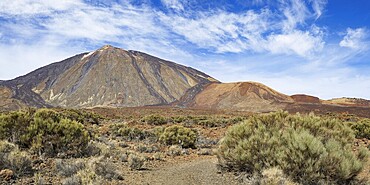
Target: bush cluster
[[131, 133], [178, 135], [361, 128], [154, 119], [45, 131], [309, 149], [81, 116]]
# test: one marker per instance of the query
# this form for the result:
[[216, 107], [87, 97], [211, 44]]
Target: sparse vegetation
[[135, 161], [63, 146], [11, 158], [68, 168]]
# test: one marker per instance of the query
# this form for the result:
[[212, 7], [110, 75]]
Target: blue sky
[[316, 47]]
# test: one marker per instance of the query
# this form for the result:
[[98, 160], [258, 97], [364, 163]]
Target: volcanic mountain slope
[[7, 102], [244, 96], [108, 76]]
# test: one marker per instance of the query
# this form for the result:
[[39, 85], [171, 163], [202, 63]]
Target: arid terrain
[[124, 149]]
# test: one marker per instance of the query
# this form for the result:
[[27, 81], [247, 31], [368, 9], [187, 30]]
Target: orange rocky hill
[[244, 96]]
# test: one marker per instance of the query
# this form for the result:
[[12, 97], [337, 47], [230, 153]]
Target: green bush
[[131, 133], [361, 128], [309, 149], [13, 125], [154, 119], [47, 114], [44, 130], [180, 135], [50, 137], [178, 119], [81, 116]]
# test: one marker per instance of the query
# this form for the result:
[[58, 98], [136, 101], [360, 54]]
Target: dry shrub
[[12, 158], [308, 149], [135, 161]]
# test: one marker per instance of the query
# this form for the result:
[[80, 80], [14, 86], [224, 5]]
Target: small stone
[[6, 174]]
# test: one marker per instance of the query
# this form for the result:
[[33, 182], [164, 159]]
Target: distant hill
[[349, 102], [245, 96]]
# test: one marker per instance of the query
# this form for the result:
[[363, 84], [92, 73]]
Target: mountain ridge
[[113, 77]]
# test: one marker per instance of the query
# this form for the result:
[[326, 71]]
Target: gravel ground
[[195, 171]]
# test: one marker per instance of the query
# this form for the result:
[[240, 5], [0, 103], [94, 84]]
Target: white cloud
[[295, 12], [297, 42], [218, 30], [257, 31], [318, 6], [31, 7], [173, 4], [20, 59], [354, 38]]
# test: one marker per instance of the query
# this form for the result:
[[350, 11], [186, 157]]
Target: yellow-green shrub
[[307, 148], [180, 135], [81, 116], [361, 128], [131, 133], [13, 125], [154, 119], [44, 130], [66, 136]]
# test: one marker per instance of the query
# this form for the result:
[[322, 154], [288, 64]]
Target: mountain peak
[[108, 76], [105, 47]]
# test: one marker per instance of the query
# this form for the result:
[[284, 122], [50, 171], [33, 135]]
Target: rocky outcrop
[[302, 98]]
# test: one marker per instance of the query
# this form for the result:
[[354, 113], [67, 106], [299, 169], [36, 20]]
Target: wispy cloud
[[218, 30], [318, 7], [31, 7], [354, 38], [173, 4]]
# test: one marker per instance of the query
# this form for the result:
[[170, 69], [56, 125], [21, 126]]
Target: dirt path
[[195, 171]]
